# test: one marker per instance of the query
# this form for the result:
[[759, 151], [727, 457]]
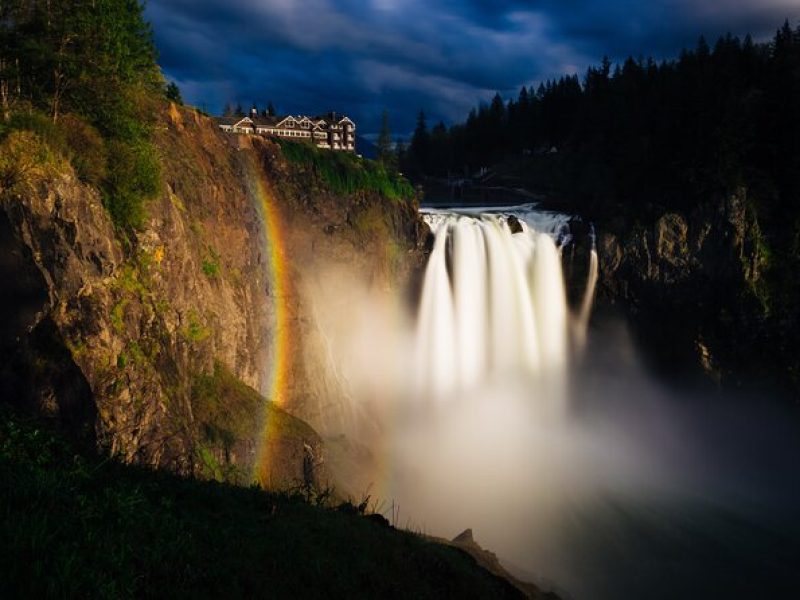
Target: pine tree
[[173, 93], [522, 101], [420, 145], [270, 109], [384, 143]]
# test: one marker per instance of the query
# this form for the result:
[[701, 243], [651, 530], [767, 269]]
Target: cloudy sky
[[444, 56]]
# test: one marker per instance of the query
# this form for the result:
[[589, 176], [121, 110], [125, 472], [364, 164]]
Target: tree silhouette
[[173, 93], [386, 154], [420, 145]]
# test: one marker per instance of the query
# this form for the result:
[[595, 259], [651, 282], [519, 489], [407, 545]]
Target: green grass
[[73, 525], [345, 173], [195, 331], [211, 264], [25, 158], [225, 408]]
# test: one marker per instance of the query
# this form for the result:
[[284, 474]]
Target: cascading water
[[493, 302], [476, 413]]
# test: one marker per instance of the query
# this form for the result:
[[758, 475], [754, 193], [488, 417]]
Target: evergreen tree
[[93, 65], [238, 111], [384, 143], [420, 145], [522, 101], [439, 161], [270, 109], [173, 93], [228, 110], [73, 55], [401, 151]]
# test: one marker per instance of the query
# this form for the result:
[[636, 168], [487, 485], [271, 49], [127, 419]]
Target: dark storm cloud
[[361, 56]]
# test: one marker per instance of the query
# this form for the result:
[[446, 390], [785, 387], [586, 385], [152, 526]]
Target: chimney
[[253, 112]]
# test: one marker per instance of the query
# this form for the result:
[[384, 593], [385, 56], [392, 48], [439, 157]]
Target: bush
[[134, 176], [35, 122], [211, 264], [24, 156], [173, 93], [71, 137], [86, 149]]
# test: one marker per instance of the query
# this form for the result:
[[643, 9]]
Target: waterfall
[[486, 408], [493, 302]]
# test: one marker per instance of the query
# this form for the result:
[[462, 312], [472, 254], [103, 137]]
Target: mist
[[582, 472]]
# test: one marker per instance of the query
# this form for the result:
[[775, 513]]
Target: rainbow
[[268, 471], [281, 349]]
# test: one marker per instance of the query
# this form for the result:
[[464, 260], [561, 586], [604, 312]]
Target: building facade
[[329, 131]]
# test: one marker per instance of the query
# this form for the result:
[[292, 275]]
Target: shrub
[[23, 156], [195, 331], [173, 93], [211, 264], [86, 148], [134, 176], [71, 137]]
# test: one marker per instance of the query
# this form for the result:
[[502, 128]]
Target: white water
[[492, 409], [493, 305]]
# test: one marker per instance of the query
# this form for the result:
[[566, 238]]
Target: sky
[[361, 57]]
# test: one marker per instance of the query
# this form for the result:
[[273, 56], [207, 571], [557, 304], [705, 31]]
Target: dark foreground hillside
[[72, 525]]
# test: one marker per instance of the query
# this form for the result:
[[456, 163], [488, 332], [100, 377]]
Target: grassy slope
[[72, 525], [346, 173]]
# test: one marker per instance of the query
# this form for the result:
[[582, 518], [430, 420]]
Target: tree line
[[642, 133], [237, 111], [82, 75]]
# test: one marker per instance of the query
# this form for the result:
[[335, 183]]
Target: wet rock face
[[513, 224], [690, 283], [338, 248], [672, 243]]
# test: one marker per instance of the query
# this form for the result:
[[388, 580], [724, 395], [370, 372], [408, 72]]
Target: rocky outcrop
[[138, 317], [488, 560], [695, 289], [341, 248], [120, 335]]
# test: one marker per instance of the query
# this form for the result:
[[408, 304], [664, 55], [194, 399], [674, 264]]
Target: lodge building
[[328, 131]]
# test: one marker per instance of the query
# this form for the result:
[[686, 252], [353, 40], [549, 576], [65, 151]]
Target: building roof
[[227, 120], [261, 121], [258, 121]]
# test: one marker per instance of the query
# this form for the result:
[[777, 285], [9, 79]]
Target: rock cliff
[[696, 289], [151, 343]]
